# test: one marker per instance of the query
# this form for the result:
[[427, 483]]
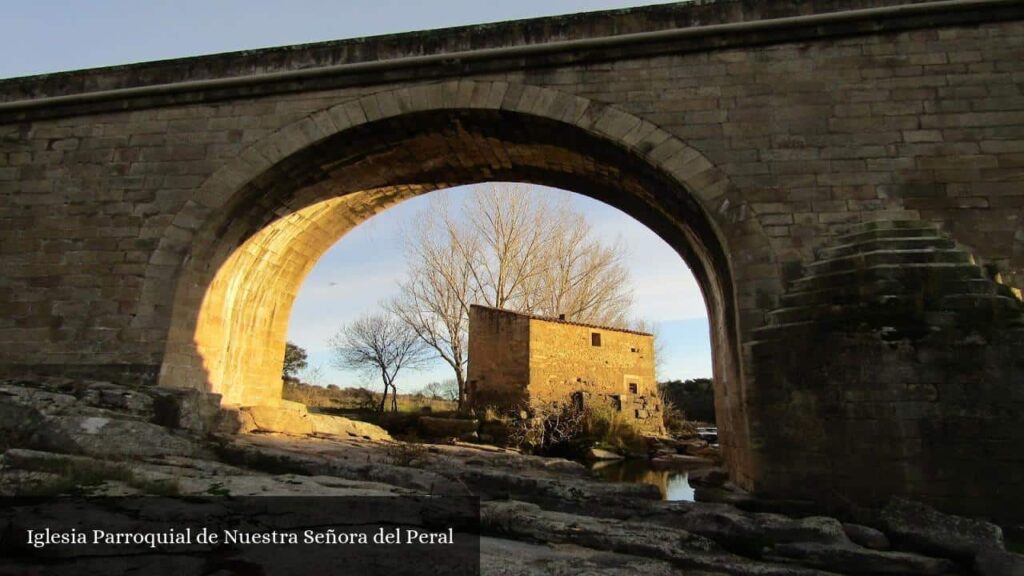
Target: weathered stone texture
[[518, 361], [162, 236], [924, 377], [499, 352]]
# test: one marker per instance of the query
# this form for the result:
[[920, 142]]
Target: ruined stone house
[[518, 360]]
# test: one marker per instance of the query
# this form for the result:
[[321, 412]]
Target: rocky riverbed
[[539, 515]]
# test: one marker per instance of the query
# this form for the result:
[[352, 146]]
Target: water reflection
[[674, 484]]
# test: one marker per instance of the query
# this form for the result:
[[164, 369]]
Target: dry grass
[[674, 418], [406, 454], [347, 400]]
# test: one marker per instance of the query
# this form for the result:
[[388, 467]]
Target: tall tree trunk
[[384, 398], [460, 380]]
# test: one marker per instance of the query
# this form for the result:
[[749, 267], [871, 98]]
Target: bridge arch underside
[[856, 389], [246, 265]]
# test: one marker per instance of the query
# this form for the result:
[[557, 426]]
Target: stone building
[[517, 359]]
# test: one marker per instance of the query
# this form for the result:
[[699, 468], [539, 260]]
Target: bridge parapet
[[595, 37]]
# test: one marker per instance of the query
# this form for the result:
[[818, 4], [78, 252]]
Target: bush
[[548, 429], [568, 430], [675, 420], [364, 400], [608, 429]]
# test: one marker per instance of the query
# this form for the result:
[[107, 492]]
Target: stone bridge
[[845, 178]]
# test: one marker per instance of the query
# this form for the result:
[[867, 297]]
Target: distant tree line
[[695, 397], [444, 390]]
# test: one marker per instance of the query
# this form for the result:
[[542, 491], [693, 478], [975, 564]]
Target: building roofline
[[560, 321]]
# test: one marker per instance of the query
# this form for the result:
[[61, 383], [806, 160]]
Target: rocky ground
[[539, 515]]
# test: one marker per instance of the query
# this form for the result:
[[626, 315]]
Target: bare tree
[[312, 375], [443, 390], [508, 248], [508, 230], [380, 344], [435, 298], [581, 277]]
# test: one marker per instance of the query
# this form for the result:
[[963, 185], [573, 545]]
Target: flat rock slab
[[292, 418], [682, 549], [866, 536], [921, 527], [514, 558], [599, 454], [187, 476], [993, 562], [853, 559]]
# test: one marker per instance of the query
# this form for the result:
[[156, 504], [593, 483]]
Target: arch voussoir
[[219, 258]]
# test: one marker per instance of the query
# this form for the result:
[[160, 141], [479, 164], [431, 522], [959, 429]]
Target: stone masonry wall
[[813, 136], [783, 140], [517, 361], [921, 374], [499, 359], [564, 361]]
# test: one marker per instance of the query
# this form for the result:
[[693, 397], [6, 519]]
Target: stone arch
[[283, 187], [650, 142]]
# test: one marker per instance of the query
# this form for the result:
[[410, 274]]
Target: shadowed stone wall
[[518, 360], [916, 383], [160, 233]]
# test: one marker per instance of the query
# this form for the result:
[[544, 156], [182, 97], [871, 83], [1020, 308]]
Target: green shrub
[[607, 428]]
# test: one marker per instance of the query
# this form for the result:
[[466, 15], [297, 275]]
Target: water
[[674, 483]]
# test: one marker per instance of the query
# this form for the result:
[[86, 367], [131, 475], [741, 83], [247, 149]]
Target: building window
[[637, 414], [595, 338], [632, 388], [616, 403]]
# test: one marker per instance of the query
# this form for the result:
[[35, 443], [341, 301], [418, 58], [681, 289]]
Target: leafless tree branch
[[379, 344], [510, 248]]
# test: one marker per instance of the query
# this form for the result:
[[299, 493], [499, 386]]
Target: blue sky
[[53, 35], [366, 265], [49, 36]]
